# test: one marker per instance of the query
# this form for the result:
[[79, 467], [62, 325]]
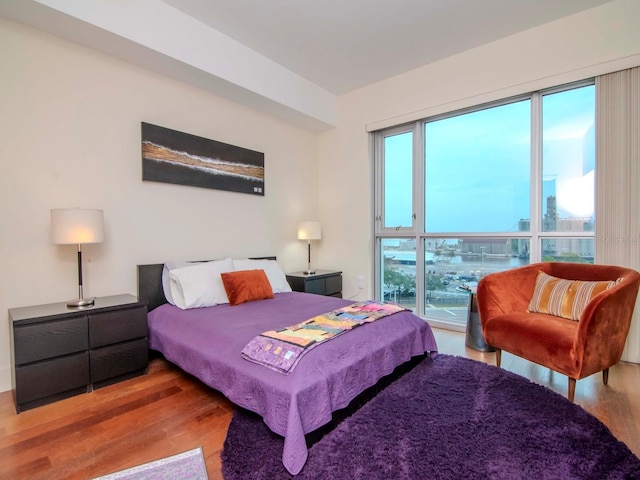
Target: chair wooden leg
[[572, 389], [605, 376], [498, 356]]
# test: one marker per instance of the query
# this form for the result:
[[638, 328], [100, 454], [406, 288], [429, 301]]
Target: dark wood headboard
[[150, 288]]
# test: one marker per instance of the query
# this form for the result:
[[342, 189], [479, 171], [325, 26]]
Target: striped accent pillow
[[564, 298]]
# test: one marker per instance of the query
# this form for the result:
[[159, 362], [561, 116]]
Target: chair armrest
[[604, 325], [506, 292]]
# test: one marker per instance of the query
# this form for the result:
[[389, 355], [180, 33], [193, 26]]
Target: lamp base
[[309, 272], [81, 302]]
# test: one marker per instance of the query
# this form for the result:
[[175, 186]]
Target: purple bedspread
[[206, 342]]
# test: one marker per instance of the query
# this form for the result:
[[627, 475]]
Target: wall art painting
[[170, 156]]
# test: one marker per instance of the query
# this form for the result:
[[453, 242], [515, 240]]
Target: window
[[483, 190], [398, 165], [568, 160], [477, 163], [398, 265]]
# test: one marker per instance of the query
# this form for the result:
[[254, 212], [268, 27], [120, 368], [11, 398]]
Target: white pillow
[[200, 284], [276, 276], [166, 279]]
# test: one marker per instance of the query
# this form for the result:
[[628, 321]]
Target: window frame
[[380, 167], [417, 233]]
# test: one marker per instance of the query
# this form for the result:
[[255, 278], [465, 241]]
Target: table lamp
[[77, 226], [309, 230]]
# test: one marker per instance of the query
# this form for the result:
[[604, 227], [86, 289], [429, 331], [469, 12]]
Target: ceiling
[[342, 45], [291, 59]]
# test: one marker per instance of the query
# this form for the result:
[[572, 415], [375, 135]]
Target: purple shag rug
[[447, 418]]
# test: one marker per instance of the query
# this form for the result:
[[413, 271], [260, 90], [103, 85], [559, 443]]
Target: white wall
[[596, 41], [70, 137]]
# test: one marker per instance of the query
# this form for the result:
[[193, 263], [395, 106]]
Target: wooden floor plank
[[167, 412]]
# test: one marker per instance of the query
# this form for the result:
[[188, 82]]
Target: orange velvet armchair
[[576, 348]]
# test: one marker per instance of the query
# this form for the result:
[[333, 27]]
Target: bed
[[207, 343]]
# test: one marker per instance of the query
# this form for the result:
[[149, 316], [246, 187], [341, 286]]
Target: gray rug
[[188, 465]]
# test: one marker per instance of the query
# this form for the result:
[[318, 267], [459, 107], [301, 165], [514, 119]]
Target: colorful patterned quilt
[[282, 349]]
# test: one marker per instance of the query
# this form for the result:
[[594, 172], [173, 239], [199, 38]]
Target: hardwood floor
[[168, 412]]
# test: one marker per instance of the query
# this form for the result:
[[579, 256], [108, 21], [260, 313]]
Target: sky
[[478, 165]]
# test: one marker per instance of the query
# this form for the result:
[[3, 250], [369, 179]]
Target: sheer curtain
[[618, 180]]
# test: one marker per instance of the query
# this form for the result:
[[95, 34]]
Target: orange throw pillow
[[246, 286]]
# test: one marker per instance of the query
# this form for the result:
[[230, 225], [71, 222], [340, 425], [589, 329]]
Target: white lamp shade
[[309, 230], [76, 226]]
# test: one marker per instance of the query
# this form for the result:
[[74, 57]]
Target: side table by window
[[323, 282], [474, 338]]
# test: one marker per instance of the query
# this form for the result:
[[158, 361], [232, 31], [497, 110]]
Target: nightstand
[[57, 352], [323, 282]]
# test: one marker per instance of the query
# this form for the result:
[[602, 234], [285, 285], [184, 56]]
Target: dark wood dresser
[[323, 282], [57, 352]]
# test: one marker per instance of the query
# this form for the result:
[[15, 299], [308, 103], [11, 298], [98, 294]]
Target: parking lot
[[445, 298]]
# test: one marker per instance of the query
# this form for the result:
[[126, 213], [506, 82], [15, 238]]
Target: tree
[[432, 283], [567, 257], [403, 282]]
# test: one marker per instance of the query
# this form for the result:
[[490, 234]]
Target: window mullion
[[535, 253], [418, 209], [378, 162]]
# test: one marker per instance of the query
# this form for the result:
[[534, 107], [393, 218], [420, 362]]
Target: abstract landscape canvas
[[170, 156]]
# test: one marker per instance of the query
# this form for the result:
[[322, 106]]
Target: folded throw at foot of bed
[[282, 349]]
